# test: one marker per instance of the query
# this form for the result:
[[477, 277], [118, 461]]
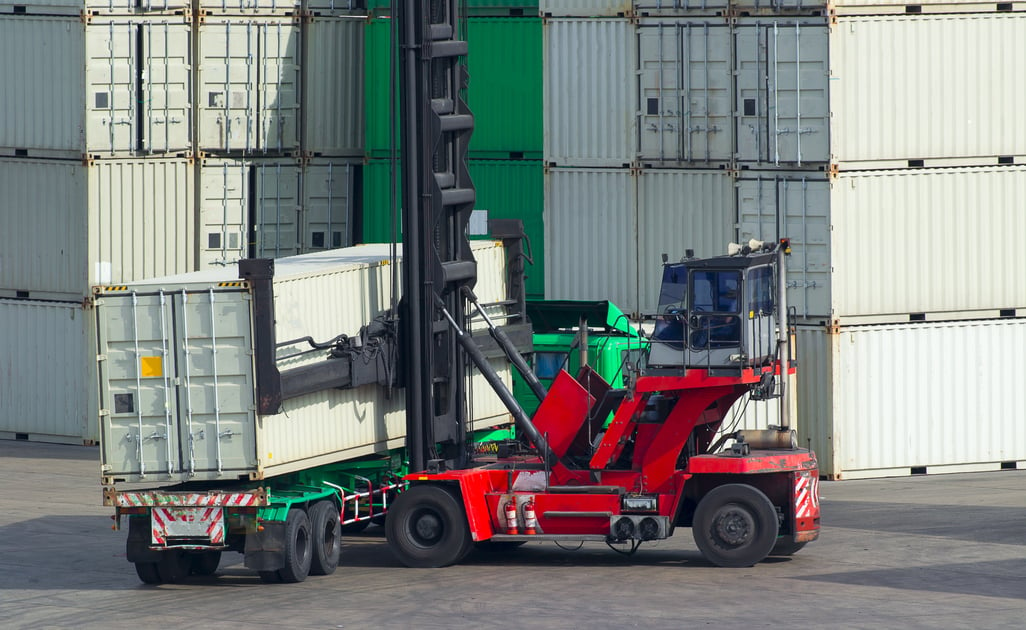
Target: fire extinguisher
[[511, 517], [530, 519]]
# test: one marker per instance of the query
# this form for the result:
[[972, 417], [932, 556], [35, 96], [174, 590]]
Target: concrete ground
[[945, 551]]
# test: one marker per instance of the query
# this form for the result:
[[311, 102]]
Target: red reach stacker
[[630, 465]]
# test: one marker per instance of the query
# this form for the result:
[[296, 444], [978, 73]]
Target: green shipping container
[[507, 189], [505, 89], [511, 8], [612, 342]]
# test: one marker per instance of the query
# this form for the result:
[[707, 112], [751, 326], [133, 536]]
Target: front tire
[[427, 527], [735, 525], [327, 538]]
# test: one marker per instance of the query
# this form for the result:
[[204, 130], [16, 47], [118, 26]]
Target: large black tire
[[786, 547], [148, 573], [735, 526], [205, 563], [298, 547], [173, 566], [427, 527], [327, 538]]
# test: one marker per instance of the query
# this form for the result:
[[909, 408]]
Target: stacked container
[[157, 138], [99, 187], [890, 156], [505, 95]]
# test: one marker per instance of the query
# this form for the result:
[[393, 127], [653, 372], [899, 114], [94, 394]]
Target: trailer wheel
[[786, 548], [205, 563], [298, 547], [427, 527], [147, 572], [327, 538], [173, 566], [735, 525]]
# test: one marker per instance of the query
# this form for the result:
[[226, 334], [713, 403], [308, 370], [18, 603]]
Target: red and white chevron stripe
[[182, 499], [806, 495]]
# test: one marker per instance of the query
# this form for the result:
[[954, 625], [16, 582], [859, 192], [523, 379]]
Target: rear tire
[[427, 527], [327, 538], [205, 563], [298, 547], [735, 525], [147, 572], [173, 566]]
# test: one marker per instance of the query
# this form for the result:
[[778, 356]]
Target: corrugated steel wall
[[333, 100], [913, 395], [887, 244], [679, 210], [46, 352], [588, 102], [591, 236], [956, 102]]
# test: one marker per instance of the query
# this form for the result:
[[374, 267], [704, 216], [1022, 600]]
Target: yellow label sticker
[[150, 367]]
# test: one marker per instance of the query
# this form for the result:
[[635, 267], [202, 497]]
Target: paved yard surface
[[945, 551]]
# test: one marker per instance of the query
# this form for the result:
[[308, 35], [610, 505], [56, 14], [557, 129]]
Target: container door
[[327, 209], [278, 98], [111, 87], [277, 209], [227, 86], [166, 87], [782, 92], [685, 92], [137, 373], [217, 422], [798, 208], [224, 212]]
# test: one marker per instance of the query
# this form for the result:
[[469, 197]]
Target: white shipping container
[[585, 8], [606, 229], [333, 87], [76, 8], [250, 7], [248, 208], [880, 401], [680, 210], [685, 91], [68, 226], [676, 8], [871, 7], [248, 94], [882, 245], [588, 94], [591, 236], [173, 409], [327, 211], [47, 372], [114, 86]]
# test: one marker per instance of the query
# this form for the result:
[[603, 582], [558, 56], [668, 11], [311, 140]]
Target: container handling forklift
[[723, 332], [621, 465]]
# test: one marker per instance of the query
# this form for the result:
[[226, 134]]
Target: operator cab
[[718, 312]]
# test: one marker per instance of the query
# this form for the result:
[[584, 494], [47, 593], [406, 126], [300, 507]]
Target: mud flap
[[265, 550], [137, 548]]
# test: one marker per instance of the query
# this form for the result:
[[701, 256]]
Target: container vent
[[1007, 312], [917, 317], [913, 8], [1006, 159]]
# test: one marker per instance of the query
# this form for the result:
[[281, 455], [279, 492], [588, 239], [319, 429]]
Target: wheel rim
[[328, 541], [733, 526], [426, 528], [302, 543]]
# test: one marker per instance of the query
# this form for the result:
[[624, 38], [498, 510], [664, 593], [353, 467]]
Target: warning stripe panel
[[212, 499]]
